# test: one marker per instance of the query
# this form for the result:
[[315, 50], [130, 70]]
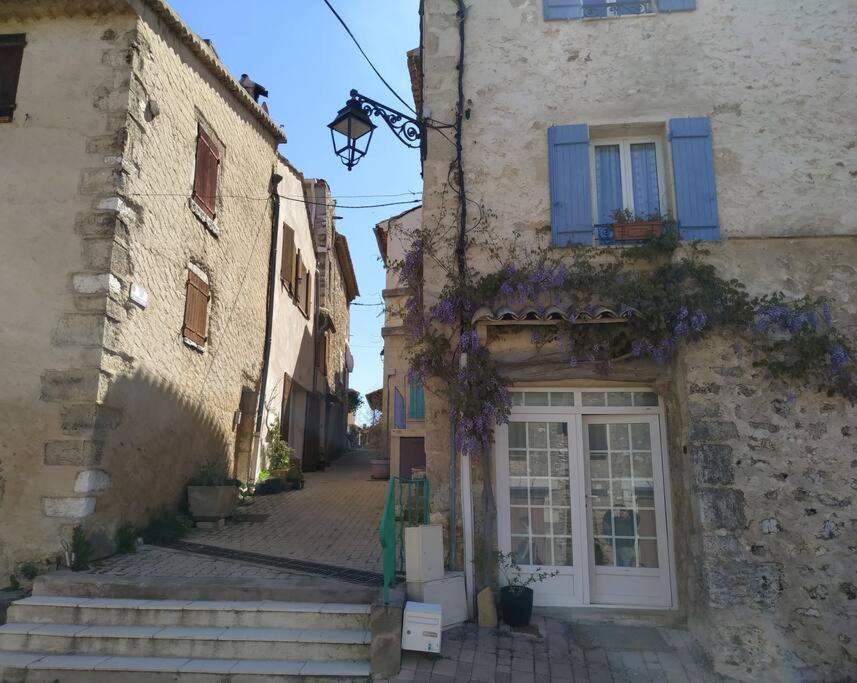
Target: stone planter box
[[628, 232], [380, 468], [212, 503]]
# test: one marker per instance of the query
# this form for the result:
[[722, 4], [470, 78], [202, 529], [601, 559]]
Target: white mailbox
[[422, 628]]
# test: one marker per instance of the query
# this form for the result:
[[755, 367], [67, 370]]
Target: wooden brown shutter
[[196, 309], [287, 262], [11, 54], [299, 278], [205, 174], [308, 290]]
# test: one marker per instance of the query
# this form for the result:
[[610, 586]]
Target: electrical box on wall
[[424, 553], [422, 627]]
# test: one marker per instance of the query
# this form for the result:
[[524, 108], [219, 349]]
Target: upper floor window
[[595, 9], [11, 54], [197, 298], [416, 401], [590, 179], [206, 172], [629, 176], [287, 259]]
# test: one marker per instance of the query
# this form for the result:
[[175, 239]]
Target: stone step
[[297, 588], [189, 642], [207, 613], [33, 667]]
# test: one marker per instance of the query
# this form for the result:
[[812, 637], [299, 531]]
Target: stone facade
[[762, 483], [103, 399]]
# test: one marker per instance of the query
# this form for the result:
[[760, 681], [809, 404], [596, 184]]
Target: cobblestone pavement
[[333, 520], [155, 561], [557, 655]]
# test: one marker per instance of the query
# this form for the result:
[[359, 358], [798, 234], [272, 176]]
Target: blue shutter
[[562, 9], [416, 401], [399, 410], [571, 185], [676, 5], [695, 186]]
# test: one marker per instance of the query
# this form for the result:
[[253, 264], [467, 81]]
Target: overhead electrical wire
[[286, 197], [366, 57]]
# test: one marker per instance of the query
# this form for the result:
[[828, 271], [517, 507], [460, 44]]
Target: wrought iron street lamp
[[351, 131]]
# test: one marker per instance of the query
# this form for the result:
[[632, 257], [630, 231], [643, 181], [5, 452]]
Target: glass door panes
[[540, 493], [622, 495]]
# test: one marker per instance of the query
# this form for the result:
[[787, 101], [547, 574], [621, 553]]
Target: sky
[[302, 55]]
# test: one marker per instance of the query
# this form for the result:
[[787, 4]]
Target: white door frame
[[572, 587]]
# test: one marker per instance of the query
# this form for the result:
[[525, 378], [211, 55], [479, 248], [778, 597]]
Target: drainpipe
[[276, 179]]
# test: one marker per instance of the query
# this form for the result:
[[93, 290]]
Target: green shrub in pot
[[516, 597], [212, 495]]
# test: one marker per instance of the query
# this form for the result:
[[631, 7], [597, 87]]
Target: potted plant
[[295, 475], [629, 227], [516, 597], [380, 467], [211, 495], [279, 452]]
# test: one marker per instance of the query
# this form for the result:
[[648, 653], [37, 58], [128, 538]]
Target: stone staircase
[[80, 639]]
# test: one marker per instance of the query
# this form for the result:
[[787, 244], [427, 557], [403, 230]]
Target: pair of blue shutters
[[416, 405], [573, 9], [693, 177]]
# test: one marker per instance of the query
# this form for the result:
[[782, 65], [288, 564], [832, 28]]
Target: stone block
[[101, 224], [76, 453], [721, 508], [79, 384], [77, 420], [734, 582], [713, 463], [79, 330], [73, 508], [99, 181], [702, 409], [385, 624], [91, 481], [486, 608], [706, 430], [90, 284]]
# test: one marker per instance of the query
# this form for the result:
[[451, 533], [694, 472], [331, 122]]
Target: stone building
[[733, 117], [327, 417], [136, 179], [403, 412]]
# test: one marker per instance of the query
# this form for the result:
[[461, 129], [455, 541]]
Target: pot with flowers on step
[[516, 597], [212, 495]]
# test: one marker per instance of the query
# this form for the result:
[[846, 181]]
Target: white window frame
[[624, 145]]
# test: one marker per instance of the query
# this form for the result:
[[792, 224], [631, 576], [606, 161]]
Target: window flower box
[[637, 231]]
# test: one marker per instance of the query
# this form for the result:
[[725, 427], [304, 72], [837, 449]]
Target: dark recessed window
[[11, 53]]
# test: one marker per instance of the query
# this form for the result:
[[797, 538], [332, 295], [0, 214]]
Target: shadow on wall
[[161, 441]]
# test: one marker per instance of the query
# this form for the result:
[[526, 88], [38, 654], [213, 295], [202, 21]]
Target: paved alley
[[333, 520]]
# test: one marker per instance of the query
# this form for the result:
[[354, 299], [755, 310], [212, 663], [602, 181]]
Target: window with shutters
[[287, 260], [206, 173], [416, 401], [603, 9], [197, 298], [308, 282], [627, 174], [11, 55]]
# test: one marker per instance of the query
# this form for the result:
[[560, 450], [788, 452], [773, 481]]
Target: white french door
[[581, 492]]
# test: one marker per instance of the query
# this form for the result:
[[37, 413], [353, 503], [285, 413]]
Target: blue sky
[[298, 50]]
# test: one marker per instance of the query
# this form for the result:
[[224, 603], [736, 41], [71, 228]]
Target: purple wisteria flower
[[838, 359]]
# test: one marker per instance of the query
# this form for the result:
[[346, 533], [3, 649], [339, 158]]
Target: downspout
[[276, 179]]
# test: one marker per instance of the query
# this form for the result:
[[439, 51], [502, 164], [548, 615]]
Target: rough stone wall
[[172, 407], [60, 159], [771, 588]]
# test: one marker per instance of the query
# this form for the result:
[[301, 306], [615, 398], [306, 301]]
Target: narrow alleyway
[[332, 521]]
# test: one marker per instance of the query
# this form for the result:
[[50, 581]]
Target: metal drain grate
[[343, 573]]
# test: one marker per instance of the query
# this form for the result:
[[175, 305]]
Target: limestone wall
[[63, 145]]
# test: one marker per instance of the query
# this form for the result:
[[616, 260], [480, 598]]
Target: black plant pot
[[516, 605]]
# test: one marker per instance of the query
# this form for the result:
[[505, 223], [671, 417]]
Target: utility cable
[[366, 57], [291, 199]]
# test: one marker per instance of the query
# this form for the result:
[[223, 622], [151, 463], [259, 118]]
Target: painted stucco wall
[[60, 139], [292, 342], [762, 487], [399, 231]]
